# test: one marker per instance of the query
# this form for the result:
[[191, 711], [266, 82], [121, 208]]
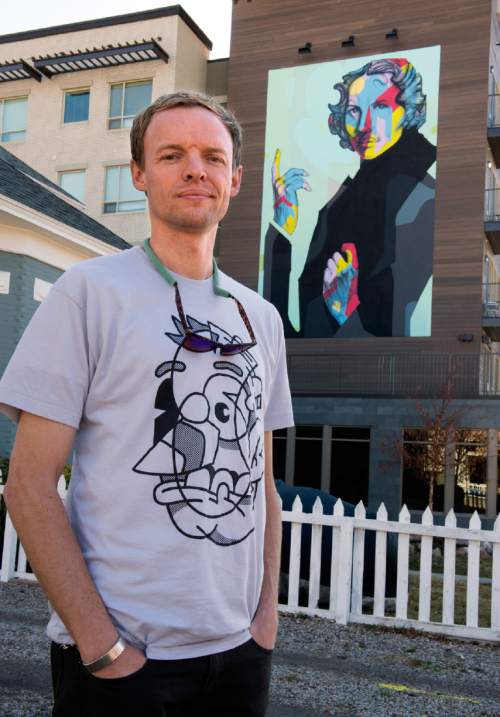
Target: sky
[[213, 16]]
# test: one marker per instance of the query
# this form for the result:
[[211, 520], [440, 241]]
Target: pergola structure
[[18, 70], [97, 58]]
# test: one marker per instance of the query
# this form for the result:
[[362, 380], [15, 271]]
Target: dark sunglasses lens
[[193, 342]]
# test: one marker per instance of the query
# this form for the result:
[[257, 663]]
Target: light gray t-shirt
[[167, 492]]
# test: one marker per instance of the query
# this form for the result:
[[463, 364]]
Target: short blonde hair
[[184, 99]]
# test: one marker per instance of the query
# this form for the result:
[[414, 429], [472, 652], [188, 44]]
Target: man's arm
[[40, 451], [265, 623]]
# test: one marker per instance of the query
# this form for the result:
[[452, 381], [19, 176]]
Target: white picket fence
[[347, 564], [14, 561]]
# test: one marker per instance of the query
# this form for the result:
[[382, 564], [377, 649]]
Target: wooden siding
[[16, 309], [266, 35]]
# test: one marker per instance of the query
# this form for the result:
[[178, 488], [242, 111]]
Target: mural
[[348, 219]]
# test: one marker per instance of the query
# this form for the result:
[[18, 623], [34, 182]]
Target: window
[[13, 119], [279, 453], [470, 475], [308, 447], [40, 289], [76, 106], [126, 100], [424, 455], [350, 463], [428, 472], [73, 182], [120, 195]]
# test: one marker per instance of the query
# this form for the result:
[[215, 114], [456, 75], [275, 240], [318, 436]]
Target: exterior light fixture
[[392, 35], [305, 49], [489, 164], [349, 42]]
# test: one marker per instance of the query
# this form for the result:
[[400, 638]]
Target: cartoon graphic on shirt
[[207, 445]]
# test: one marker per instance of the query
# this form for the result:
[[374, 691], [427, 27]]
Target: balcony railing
[[425, 375], [494, 110], [491, 301], [492, 205]]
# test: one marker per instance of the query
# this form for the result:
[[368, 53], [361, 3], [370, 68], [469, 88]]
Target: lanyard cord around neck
[[162, 269]]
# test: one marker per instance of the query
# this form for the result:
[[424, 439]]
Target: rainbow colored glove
[[285, 187], [340, 283]]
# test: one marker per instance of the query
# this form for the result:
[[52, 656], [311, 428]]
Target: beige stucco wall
[[190, 62], [52, 146]]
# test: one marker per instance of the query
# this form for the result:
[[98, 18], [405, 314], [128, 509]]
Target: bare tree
[[440, 422], [423, 448]]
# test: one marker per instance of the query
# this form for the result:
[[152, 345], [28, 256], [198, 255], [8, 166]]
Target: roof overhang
[[18, 215], [131, 17]]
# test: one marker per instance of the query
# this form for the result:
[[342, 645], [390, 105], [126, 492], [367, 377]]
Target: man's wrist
[[267, 611], [108, 657], [101, 641]]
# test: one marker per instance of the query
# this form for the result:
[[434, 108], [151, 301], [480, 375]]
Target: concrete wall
[[16, 309]]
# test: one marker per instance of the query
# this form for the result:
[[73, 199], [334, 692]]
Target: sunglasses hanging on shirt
[[197, 342]]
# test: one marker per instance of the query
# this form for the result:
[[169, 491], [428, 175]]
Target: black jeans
[[234, 683]]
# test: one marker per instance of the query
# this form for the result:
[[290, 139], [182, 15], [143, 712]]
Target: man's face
[[188, 169], [373, 118]]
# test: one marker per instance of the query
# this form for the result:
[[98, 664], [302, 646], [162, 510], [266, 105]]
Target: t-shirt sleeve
[[48, 373], [279, 412]]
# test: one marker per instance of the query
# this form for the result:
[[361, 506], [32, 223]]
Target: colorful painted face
[[373, 117]]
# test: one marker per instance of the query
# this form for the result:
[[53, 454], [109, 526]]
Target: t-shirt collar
[[162, 269]]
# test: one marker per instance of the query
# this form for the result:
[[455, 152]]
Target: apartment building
[[393, 349], [69, 94], [362, 218]]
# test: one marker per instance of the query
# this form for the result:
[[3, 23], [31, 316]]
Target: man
[[155, 363], [369, 262]]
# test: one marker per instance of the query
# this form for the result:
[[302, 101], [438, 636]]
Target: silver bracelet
[[110, 656]]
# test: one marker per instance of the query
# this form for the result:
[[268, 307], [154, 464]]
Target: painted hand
[[285, 187], [340, 283]]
